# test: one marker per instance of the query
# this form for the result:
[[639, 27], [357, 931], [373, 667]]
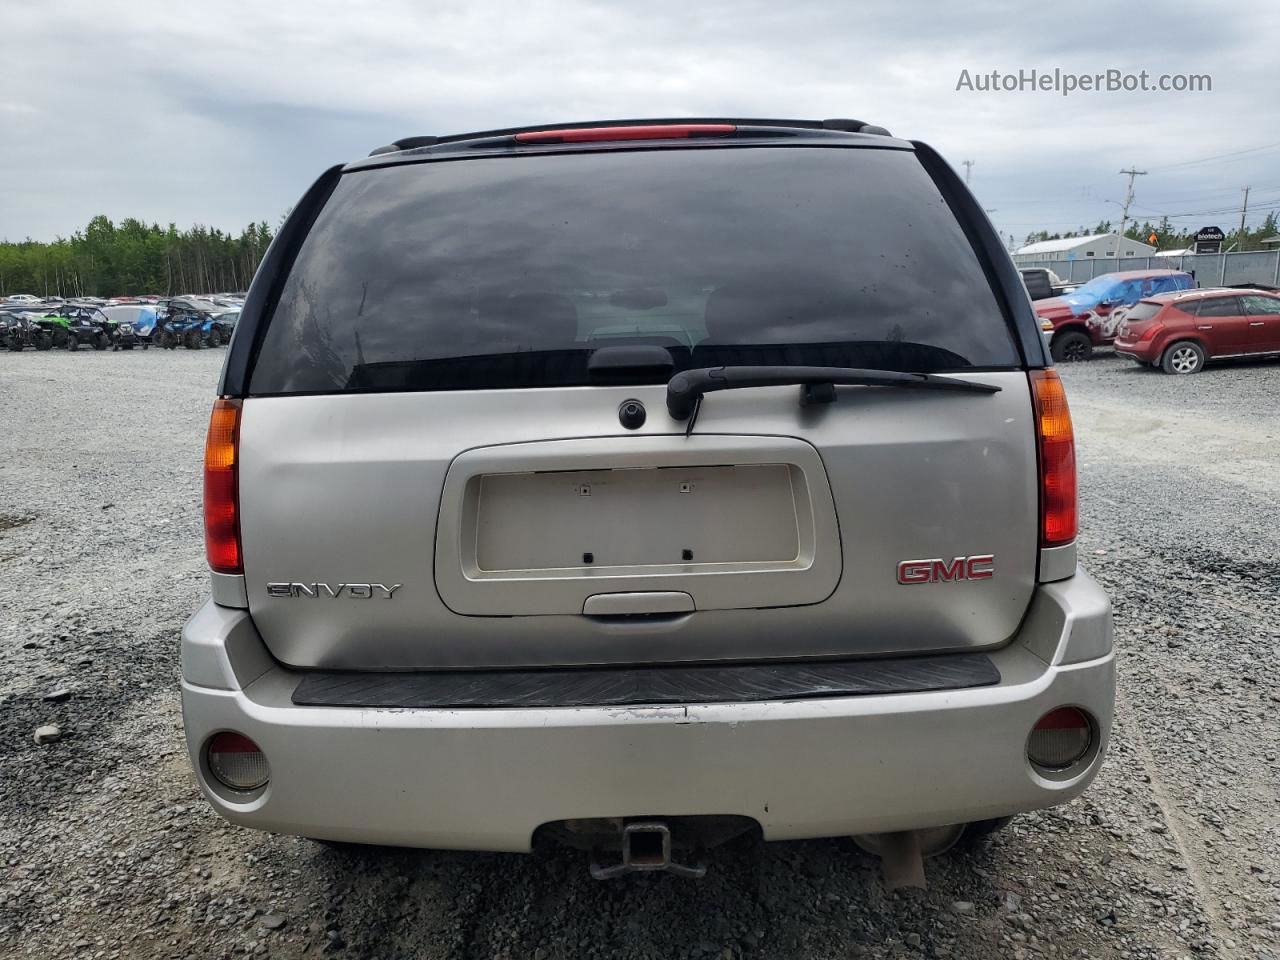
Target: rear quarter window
[[508, 272]]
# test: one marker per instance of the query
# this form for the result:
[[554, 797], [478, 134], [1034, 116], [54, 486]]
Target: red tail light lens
[[1058, 512], [1060, 738], [221, 493], [663, 131], [1150, 332], [237, 762]]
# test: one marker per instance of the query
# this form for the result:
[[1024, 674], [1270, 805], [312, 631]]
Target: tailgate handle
[[637, 604]]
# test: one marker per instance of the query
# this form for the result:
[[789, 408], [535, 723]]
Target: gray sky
[[222, 113]]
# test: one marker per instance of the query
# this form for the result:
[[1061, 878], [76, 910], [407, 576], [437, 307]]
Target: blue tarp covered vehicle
[[135, 325]]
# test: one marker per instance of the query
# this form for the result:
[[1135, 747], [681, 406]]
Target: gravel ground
[[108, 850]]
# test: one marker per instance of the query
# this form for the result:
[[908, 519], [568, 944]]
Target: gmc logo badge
[[980, 567]]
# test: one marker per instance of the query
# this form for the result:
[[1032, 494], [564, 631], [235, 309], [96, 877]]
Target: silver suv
[[640, 484]]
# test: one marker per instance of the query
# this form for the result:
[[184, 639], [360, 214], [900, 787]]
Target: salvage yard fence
[[1209, 269]]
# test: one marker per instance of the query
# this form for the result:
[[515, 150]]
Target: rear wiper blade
[[686, 389]]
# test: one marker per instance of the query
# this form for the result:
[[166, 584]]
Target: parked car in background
[[1179, 332], [20, 299], [1042, 283], [789, 567], [1046, 333], [1090, 315]]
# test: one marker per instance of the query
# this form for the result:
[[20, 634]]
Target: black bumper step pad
[[638, 686]]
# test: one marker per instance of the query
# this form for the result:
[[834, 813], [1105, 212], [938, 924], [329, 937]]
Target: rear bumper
[[486, 779], [1132, 352]]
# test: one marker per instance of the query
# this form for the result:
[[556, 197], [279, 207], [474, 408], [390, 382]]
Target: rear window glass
[[508, 272], [1143, 311]]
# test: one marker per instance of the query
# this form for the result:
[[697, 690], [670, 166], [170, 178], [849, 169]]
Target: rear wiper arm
[[686, 389]]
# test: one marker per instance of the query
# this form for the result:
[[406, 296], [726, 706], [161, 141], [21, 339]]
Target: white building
[[1098, 246]]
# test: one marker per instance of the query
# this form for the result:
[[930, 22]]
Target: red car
[[1090, 315], [1178, 332]]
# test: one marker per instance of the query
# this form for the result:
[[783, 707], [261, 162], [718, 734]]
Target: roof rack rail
[[842, 124]]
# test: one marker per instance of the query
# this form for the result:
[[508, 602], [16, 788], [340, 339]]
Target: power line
[[1220, 156], [1268, 204], [968, 165]]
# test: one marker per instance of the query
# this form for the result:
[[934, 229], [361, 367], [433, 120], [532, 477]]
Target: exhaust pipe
[[646, 848], [902, 854]]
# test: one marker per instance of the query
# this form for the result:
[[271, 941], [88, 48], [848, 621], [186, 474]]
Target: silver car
[[639, 485]]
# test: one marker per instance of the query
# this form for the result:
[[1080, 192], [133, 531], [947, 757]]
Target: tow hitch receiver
[[646, 846]]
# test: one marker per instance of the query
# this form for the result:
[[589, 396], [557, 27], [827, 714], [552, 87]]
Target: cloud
[[223, 113]]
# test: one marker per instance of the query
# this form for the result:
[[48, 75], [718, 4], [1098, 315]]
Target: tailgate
[[505, 528]]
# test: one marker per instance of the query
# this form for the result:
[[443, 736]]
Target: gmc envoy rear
[[640, 484]]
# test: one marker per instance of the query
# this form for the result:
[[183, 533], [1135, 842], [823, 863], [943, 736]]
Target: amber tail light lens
[[221, 494], [1058, 511]]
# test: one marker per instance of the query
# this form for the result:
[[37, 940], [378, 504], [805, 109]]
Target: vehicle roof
[[748, 132], [1139, 274], [1205, 293], [1062, 243]]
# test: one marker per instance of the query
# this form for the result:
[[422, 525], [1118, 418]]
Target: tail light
[[221, 493], [1060, 738], [1058, 512], [1148, 333], [237, 762], [656, 131]]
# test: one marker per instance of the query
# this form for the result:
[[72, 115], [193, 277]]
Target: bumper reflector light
[[1060, 738], [237, 762]]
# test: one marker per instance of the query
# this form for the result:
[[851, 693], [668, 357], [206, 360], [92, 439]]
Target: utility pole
[[1128, 198], [1244, 208], [968, 165]]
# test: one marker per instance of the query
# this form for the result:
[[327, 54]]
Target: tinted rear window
[[1143, 310], [509, 272]]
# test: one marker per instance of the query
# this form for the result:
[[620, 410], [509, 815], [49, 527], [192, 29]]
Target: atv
[[200, 332], [21, 330], [135, 325], [75, 326], [192, 324]]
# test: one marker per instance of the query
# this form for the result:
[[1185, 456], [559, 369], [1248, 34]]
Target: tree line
[[1169, 237], [106, 259]]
